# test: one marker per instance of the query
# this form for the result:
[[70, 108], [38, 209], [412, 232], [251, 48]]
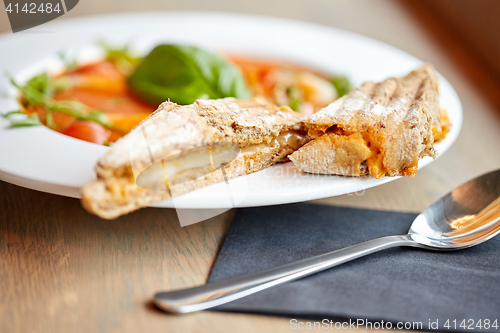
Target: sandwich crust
[[262, 131], [379, 128]]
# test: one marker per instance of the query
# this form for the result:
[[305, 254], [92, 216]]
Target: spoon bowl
[[467, 216]]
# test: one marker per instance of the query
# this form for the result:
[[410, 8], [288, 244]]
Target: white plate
[[42, 159]]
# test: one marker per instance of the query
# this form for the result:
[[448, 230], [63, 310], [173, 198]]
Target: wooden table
[[64, 270]]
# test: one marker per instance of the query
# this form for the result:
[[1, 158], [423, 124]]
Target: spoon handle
[[224, 291]]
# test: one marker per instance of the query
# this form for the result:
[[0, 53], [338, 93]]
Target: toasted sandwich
[[382, 129], [179, 149]]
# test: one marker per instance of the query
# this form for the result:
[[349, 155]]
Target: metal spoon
[[467, 216]]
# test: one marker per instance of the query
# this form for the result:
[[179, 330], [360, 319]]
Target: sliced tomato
[[88, 131]]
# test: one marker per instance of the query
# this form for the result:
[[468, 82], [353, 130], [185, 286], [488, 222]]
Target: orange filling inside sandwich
[[369, 145]]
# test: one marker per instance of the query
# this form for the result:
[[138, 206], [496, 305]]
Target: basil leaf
[[184, 74]]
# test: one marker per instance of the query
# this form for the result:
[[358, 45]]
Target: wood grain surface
[[64, 270]]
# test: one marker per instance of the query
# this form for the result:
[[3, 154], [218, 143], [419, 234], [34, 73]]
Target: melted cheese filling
[[201, 161], [191, 164]]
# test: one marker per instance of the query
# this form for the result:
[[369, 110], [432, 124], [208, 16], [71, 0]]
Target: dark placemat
[[396, 285]]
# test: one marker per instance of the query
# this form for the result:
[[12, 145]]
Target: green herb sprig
[[294, 98], [121, 57], [342, 85], [70, 63], [37, 92], [28, 119]]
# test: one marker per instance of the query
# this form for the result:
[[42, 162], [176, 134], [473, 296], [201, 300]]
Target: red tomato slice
[[88, 131]]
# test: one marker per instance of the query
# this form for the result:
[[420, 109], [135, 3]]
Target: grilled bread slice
[[173, 138], [383, 129]]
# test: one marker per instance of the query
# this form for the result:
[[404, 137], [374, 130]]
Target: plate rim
[[73, 191]]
